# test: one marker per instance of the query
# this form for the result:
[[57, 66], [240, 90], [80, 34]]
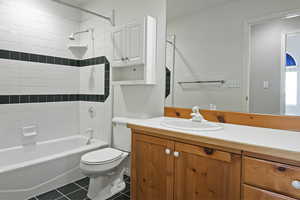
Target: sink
[[189, 125]]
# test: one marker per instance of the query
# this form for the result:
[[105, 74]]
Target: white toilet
[[106, 167]]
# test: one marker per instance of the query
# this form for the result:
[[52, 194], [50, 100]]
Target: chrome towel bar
[[190, 82]]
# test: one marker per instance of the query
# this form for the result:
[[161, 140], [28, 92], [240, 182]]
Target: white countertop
[[263, 137]]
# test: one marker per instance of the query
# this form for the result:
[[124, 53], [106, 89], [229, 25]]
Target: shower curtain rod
[[110, 19]]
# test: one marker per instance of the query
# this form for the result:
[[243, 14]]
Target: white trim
[[246, 69], [282, 73]]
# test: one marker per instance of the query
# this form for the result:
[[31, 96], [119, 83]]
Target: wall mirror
[[234, 55]]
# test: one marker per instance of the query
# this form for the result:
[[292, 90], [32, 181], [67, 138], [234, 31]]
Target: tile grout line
[[119, 194], [72, 191], [125, 194], [80, 186], [62, 195]]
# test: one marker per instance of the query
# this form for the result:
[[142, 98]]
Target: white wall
[[35, 26], [39, 27], [266, 63], [132, 101], [210, 46]]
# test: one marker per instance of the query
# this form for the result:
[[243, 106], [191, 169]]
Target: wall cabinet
[[128, 45], [167, 170], [134, 52]]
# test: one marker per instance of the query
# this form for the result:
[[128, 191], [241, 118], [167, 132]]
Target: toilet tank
[[121, 136]]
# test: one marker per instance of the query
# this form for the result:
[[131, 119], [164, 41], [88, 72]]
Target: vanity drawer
[[204, 152], [252, 193], [272, 176]]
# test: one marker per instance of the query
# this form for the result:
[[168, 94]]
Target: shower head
[[71, 37]]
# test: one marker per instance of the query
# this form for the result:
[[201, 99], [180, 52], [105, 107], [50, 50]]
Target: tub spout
[[90, 132]]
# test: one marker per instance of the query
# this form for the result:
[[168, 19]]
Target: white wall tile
[[92, 79], [53, 120], [40, 27]]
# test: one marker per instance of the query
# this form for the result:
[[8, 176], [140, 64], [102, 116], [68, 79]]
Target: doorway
[[291, 73]]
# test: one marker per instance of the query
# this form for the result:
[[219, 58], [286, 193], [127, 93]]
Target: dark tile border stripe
[[29, 57], [17, 99], [168, 82]]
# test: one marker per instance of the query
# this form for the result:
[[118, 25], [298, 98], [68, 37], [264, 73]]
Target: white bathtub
[[35, 169]]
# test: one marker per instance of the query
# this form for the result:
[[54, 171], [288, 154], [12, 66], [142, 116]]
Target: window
[[291, 87], [290, 60]]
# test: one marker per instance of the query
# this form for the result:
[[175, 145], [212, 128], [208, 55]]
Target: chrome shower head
[[72, 37]]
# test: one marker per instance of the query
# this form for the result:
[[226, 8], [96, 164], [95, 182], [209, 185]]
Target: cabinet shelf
[[136, 82]]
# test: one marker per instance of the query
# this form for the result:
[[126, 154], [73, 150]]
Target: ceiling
[[178, 8]]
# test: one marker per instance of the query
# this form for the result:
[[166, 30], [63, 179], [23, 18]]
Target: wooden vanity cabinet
[[163, 169], [152, 168]]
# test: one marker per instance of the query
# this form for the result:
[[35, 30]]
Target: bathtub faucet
[[90, 132]]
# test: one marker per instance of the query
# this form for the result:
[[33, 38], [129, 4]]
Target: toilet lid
[[102, 156]]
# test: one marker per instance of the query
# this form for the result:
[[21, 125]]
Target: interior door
[[152, 168], [135, 43], [206, 174], [119, 46]]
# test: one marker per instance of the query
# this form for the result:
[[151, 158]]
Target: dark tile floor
[[78, 191]]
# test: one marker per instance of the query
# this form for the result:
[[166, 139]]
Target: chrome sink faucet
[[196, 116]]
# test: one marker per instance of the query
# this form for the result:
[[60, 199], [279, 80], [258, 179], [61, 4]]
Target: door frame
[[247, 53], [282, 71], [283, 67]]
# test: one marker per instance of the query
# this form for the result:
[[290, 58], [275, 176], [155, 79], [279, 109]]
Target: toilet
[[106, 167]]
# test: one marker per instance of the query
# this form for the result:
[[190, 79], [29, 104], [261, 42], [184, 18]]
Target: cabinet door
[[135, 43], [206, 174], [119, 48], [152, 172]]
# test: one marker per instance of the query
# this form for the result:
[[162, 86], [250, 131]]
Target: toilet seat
[[102, 156]]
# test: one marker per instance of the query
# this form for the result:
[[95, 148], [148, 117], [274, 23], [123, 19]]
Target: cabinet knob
[[296, 184], [123, 59], [168, 151], [126, 58], [281, 169], [208, 151], [176, 154]]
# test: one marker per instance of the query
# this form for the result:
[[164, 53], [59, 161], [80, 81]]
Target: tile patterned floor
[[78, 191]]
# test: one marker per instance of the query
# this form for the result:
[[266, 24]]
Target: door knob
[[168, 151], [296, 184], [176, 154]]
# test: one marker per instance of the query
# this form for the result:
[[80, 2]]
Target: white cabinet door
[[135, 43], [119, 46]]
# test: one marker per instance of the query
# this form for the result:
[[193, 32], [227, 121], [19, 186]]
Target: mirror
[[234, 55]]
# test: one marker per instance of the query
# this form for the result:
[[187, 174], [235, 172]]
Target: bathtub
[[26, 171]]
